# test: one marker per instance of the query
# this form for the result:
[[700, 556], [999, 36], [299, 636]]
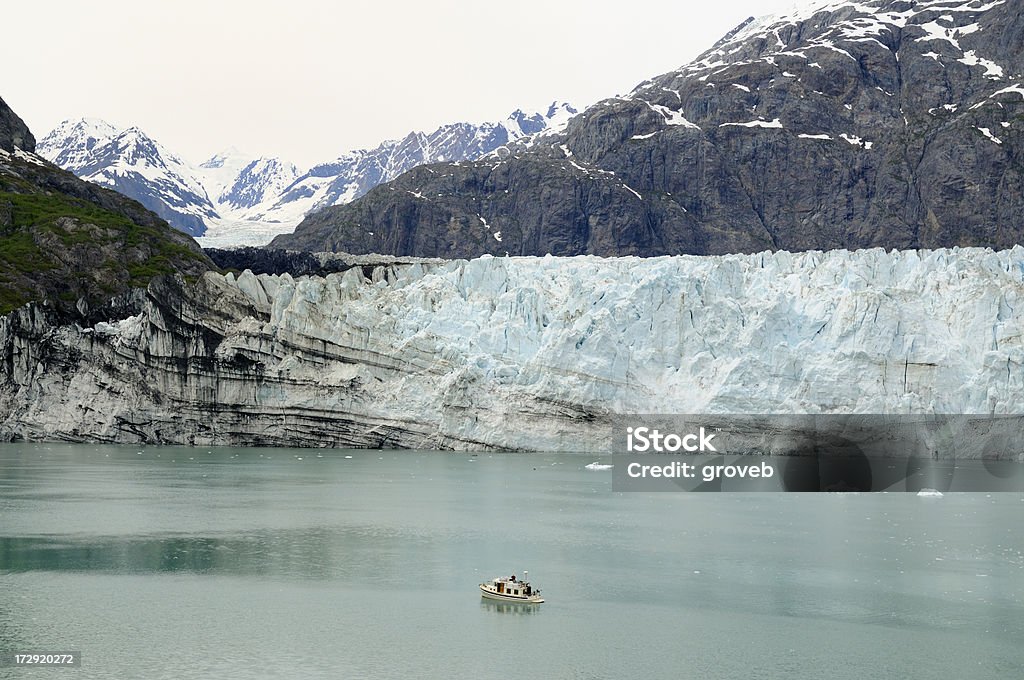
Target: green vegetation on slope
[[60, 247]]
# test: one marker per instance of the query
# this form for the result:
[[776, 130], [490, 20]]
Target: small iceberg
[[929, 493], [598, 466]]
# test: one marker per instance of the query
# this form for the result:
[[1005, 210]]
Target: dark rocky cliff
[[885, 123], [301, 263]]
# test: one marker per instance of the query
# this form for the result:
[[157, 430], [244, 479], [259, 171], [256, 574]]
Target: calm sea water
[[274, 563]]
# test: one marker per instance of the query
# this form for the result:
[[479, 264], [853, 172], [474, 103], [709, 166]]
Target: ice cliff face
[[524, 353]]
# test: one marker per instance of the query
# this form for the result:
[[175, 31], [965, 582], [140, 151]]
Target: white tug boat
[[509, 589]]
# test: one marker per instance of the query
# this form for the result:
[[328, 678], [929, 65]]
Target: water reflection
[[508, 607], [305, 555]]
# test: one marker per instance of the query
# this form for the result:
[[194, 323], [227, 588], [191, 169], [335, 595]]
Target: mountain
[[353, 174], [844, 125], [74, 245], [134, 164], [233, 198], [529, 354], [70, 145]]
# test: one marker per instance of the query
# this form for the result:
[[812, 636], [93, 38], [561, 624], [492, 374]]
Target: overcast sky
[[306, 80]]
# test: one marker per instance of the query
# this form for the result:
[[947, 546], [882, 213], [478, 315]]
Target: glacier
[[523, 353]]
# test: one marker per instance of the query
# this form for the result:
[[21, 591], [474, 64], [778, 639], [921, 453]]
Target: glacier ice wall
[[525, 353]]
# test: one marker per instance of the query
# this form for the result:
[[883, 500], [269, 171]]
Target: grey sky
[[306, 80]]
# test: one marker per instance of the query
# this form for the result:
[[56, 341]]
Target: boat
[[598, 466], [511, 589]]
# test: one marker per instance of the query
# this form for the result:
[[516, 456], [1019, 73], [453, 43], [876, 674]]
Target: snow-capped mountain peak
[[70, 144], [134, 164]]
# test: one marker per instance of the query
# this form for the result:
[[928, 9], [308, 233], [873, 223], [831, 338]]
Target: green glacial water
[[166, 562]]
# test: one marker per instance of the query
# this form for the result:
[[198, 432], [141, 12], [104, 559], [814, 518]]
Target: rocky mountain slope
[[232, 198], [74, 244], [524, 353], [851, 124]]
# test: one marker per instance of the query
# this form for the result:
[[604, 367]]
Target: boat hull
[[501, 597]]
